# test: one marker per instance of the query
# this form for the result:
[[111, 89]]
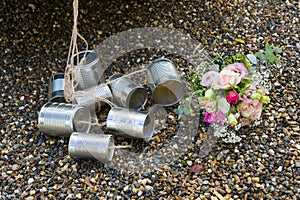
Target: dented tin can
[[126, 93], [87, 70], [130, 123], [56, 88], [61, 119], [165, 82], [91, 146]]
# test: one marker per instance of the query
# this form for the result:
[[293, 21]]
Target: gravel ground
[[34, 41]]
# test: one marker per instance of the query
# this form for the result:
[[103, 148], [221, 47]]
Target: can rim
[[89, 65]]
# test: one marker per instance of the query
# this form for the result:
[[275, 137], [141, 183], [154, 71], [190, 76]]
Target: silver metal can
[[91, 146], [90, 73], [60, 119], [165, 82], [127, 93], [56, 88], [130, 123], [94, 97]]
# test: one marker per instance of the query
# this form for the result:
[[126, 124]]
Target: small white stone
[[148, 187], [279, 169], [205, 182], [44, 189], [31, 180], [264, 155], [189, 163], [126, 188], [271, 152], [140, 193]]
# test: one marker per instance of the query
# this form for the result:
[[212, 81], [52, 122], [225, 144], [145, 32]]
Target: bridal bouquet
[[231, 92]]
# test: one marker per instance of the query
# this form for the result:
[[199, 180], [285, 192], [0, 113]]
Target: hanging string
[[70, 76]]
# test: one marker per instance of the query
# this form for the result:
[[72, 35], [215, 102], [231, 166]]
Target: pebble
[[297, 163], [189, 163], [271, 152], [30, 180]]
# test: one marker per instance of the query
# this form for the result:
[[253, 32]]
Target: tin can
[[165, 82], [90, 73], [126, 93], [130, 123], [61, 119], [91, 146], [56, 88], [94, 97]]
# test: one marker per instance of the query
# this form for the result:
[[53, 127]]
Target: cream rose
[[226, 79]]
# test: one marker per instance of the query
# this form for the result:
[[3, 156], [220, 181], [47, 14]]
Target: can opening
[[82, 120], [168, 93], [137, 98]]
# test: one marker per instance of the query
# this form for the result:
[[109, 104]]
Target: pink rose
[[208, 77], [226, 79], [238, 68], [250, 108], [232, 97]]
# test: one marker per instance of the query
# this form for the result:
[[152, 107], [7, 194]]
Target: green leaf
[[271, 58], [260, 55], [269, 50], [278, 50], [178, 111], [252, 58]]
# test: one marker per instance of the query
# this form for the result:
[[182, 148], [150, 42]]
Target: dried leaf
[[239, 40], [87, 181], [196, 169], [185, 180], [214, 162]]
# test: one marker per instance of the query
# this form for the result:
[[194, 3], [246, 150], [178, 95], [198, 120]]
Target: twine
[[70, 77]]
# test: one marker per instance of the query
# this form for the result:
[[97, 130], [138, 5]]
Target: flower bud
[[232, 119], [255, 96], [208, 94], [265, 99], [260, 92], [232, 97]]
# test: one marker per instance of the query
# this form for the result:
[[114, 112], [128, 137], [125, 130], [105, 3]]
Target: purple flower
[[215, 118], [207, 117]]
